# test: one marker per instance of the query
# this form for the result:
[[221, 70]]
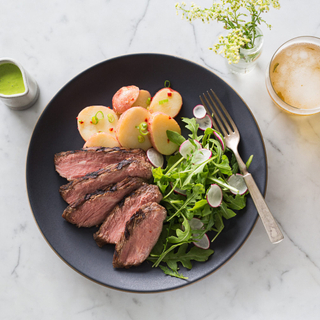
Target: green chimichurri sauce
[[11, 80]]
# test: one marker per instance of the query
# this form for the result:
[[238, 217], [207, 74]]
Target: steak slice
[[92, 209], [78, 163], [141, 234], [114, 225], [113, 173]]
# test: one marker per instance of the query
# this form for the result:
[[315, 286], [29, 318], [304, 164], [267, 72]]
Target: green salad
[[198, 196]]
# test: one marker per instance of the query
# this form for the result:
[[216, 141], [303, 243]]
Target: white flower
[[232, 14]]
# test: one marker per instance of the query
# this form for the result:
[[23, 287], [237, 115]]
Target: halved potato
[[167, 101], [143, 98], [102, 139], [124, 98], [107, 121], [127, 133], [158, 125]]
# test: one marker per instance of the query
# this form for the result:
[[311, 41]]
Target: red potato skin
[[124, 98]]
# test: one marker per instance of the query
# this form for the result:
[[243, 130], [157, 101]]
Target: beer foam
[[295, 75]]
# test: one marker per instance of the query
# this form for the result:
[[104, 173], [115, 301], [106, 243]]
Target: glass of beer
[[293, 76]]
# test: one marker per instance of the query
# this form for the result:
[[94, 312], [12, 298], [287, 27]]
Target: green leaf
[[235, 168], [157, 174], [207, 210], [224, 166], [182, 236], [172, 273], [193, 126], [175, 137], [226, 213], [159, 246], [208, 132], [184, 257], [236, 203], [199, 204]]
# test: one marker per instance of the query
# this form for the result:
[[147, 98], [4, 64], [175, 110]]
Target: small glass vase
[[248, 57]]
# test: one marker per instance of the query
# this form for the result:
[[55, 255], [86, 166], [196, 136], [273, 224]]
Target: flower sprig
[[242, 17]]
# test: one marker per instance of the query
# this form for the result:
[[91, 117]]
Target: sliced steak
[[113, 173], [141, 234], [114, 225], [92, 209], [76, 164]]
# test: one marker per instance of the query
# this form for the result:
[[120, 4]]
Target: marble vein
[[14, 272], [299, 248], [91, 308], [274, 146], [136, 26]]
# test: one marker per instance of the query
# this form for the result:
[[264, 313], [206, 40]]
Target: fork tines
[[224, 122]]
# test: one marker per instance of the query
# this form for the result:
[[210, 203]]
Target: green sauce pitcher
[[18, 90]]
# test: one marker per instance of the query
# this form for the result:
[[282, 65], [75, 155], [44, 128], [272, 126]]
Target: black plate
[[56, 131]]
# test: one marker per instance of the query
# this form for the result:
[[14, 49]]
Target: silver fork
[[227, 127]]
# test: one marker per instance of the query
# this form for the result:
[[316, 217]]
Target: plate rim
[[187, 284]]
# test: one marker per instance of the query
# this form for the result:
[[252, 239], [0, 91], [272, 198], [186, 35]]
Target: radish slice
[[178, 191], [237, 181], [155, 158], [204, 123], [196, 223], [214, 196], [187, 148], [199, 111], [201, 156], [203, 243], [220, 139]]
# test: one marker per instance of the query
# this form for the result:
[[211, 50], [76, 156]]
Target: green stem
[[179, 161]]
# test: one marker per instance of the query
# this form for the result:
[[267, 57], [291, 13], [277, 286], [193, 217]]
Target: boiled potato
[[143, 100], [167, 101], [107, 121], [158, 125], [102, 139], [124, 98], [127, 133]]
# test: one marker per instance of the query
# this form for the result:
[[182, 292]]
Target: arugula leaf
[[182, 236], [224, 165], [237, 203], [175, 137], [199, 204], [192, 196], [193, 126], [207, 210], [226, 213], [184, 257], [172, 273], [157, 174], [208, 132]]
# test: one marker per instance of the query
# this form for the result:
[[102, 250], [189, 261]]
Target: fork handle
[[270, 224]]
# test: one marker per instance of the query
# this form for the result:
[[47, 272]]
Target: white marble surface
[[55, 40]]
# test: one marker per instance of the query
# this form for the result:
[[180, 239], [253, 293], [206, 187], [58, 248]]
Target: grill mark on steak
[[114, 225], [77, 163], [92, 209], [141, 234], [139, 216], [123, 163], [113, 173]]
